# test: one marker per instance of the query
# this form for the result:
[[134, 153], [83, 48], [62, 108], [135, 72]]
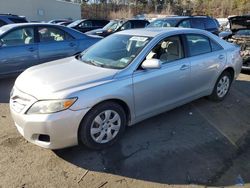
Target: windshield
[[243, 32], [75, 23], [115, 51], [163, 23], [112, 25]]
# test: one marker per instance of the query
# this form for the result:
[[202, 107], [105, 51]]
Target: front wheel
[[102, 126], [221, 87]]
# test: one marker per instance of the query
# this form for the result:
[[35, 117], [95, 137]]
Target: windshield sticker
[[141, 39]]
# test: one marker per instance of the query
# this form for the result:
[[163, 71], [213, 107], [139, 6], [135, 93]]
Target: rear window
[[18, 20]]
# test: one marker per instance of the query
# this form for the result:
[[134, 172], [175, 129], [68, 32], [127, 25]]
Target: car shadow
[[183, 146], [6, 85]]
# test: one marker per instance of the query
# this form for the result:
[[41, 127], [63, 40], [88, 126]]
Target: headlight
[[50, 106]]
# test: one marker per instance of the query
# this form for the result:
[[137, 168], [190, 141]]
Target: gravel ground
[[197, 145]]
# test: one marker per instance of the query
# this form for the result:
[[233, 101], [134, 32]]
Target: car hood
[[239, 22], [61, 78]]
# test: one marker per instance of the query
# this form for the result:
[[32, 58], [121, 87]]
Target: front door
[[160, 89]]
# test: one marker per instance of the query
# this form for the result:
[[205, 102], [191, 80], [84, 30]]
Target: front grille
[[20, 101]]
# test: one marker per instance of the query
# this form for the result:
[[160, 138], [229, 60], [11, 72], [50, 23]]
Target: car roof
[[10, 26], [152, 32]]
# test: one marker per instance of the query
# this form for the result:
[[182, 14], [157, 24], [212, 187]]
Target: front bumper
[[61, 127]]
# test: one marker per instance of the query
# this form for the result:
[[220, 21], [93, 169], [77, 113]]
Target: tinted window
[[198, 44], [198, 23], [2, 23], [185, 23], [18, 20], [140, 24], [127, 25], [99, 23], [51, 34], [215, 46], [169, 49], [210, 24], [86, 23], [18, 37]]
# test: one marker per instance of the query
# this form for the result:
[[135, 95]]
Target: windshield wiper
[[92, 62]]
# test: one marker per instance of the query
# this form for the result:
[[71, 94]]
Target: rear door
[[18, 50], [55, 43], [207, 57]]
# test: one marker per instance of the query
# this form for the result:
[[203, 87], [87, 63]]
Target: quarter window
[[215, 46], [198, 44], [169, 49], [51, 34], [22, 36]]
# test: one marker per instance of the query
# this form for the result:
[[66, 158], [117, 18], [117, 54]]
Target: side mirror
[[151, 64]]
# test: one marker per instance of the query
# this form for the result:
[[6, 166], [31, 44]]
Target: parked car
[[25, 45], [11, 18], [121, 80], [87, 24], [199, 22], [118, 25], [240, 35]]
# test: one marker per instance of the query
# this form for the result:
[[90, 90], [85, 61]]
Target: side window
[[22, 36], [185, 23], [198, 44], [51, 34], [2, 23], [215, 46], [86, 23], [198, 23], [18, 20], [127, 25], [169, 49], [210, 24]]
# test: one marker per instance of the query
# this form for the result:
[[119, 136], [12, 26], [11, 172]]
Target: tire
[[102, 126], [221, 87]]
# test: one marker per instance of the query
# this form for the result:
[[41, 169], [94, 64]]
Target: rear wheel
[[102, 126], [222, 86]]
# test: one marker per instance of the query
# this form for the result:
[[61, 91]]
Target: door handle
[[184, 67], [221, 57]]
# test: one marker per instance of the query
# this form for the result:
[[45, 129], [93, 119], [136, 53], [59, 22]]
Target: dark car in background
[[240, 35], [85, 25], [11, 18], [199, 22], [25, 45], [118, 25]]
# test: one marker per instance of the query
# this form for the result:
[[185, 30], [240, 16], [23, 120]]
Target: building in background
[[41, 10]]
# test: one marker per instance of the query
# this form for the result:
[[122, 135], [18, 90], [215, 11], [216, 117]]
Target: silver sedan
[[121, 80]]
